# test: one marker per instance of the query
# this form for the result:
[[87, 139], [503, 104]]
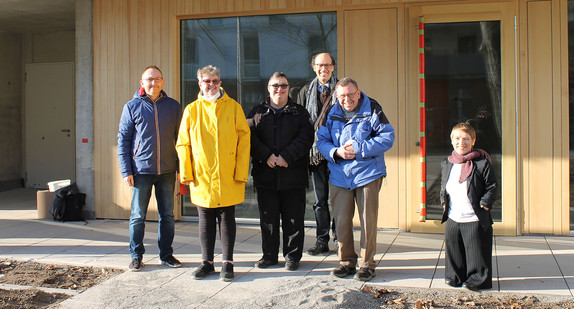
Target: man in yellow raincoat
[[213, 150]]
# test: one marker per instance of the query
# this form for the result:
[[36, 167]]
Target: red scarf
[[467, 161]]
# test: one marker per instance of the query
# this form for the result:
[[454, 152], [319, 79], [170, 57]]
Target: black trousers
[[320, 178], [287, 207], [209, 220], [468, 254]]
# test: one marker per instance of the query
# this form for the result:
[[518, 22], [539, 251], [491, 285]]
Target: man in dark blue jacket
[[146, 150]]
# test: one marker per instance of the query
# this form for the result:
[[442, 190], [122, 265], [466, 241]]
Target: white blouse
[[460, 208]]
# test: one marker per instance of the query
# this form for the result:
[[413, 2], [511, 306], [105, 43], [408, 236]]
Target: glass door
[[468, 62]]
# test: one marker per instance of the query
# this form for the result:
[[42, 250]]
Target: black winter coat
[[481, 189], [288, 134]]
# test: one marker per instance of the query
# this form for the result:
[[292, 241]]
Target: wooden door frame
[[500, 11]]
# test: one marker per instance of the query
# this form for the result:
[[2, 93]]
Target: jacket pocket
[[137, 149]]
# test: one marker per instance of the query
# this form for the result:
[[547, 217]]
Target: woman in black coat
[[468, 191], [281, 137]]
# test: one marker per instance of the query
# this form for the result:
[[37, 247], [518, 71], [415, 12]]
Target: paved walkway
[[525, 264]]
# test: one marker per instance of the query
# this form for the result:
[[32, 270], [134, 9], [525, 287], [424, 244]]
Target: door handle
[[417, 143]]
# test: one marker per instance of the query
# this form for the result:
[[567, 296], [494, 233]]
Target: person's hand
[[272, 161], [346, 151], [129, 180], [255, 120], [281, 162], [484, 207]]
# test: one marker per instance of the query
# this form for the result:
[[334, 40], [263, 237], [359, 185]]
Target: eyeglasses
[[283, 86], [324, 65], [152, 79], [211, 81], [350, 96]]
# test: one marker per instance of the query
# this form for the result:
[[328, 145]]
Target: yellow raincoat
[[213, 149]]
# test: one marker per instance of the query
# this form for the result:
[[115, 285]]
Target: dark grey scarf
[[315, 157]]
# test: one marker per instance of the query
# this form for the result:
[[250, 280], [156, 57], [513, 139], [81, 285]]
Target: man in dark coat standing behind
[[317, 97]]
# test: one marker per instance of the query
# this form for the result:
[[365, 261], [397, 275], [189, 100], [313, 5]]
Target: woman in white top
[[468, 191]]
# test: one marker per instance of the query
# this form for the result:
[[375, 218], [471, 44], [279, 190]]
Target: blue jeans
[[164, 189]]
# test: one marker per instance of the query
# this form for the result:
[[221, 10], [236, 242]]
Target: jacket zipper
[[157, 138]]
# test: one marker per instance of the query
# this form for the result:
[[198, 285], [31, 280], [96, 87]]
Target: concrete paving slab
[[563, 251], [135, 296], [527, 264], [411, 260]]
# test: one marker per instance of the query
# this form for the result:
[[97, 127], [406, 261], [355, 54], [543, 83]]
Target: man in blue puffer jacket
[[354, 140], [146, 149]]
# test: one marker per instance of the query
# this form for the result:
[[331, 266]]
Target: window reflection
[[248, 50], [462, 83]]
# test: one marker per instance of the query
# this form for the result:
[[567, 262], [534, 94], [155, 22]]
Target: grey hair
[[208, 70], [347, 80]]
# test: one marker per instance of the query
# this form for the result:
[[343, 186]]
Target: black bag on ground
[[68, 204]]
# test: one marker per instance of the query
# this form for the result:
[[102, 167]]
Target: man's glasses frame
[[325, 65], [283, 86], [153, 79], [211, 81], [350, 96]]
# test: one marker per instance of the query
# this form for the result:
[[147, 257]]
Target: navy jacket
[[480, 186], [147, 135]]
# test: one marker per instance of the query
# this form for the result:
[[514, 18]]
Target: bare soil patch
[[33, 274], [435, 298]]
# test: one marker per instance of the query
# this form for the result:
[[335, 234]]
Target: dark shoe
[[263, 263], [452, 283], [343, 271], [136, 264], [226, 273], [171, 262], [318, 248], [292, 265], [365, 274], [471, 287], [203, 270]]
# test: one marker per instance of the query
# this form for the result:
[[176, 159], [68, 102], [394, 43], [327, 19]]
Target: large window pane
[[248, 50], [282, 43], [208, 41], [462, 84]]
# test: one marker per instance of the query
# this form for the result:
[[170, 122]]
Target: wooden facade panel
[[371, 58], [561, 115], [97, 37], [132, 34], [540, 103]]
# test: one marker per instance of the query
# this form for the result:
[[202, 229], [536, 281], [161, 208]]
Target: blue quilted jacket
[[147, 135], [373, 135]]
